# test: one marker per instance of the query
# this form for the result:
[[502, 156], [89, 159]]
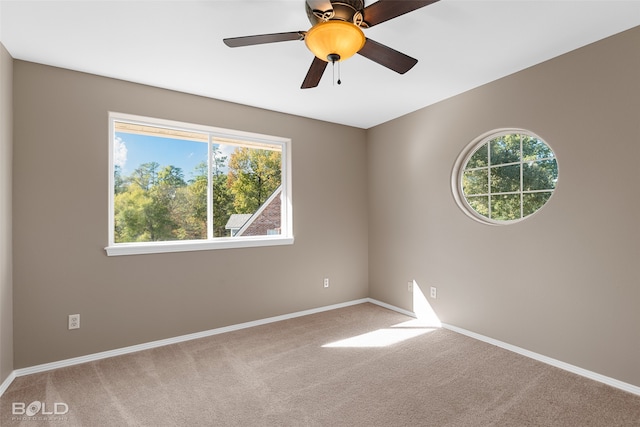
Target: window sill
[[191, 245]]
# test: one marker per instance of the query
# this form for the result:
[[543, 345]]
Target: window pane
[[505, 149], [253, 181], [531, 202], [534, 148], [207, 187], [480, 158], [155, 185], [505, 179], [505, 207], [475, 182], [479, 204], [540, 175]]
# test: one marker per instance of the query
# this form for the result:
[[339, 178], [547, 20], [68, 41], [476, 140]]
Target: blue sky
[[132, 150]]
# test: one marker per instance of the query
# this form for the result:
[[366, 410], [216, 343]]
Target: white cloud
[[119, 152], [226, 150]]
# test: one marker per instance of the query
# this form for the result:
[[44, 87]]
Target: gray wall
[[60, 224], [6, 285], [564, 283]]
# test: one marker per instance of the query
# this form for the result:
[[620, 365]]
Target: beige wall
[[60, 224], [6, 285], [564, 283]]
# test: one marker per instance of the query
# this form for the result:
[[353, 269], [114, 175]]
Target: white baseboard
[[7, 382], [549, 361], [154, 344], [391, 307], [530, 354]]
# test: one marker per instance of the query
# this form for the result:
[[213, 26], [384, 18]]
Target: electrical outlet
[[326, 282], [410, 286], [74, 321], [434, 292]]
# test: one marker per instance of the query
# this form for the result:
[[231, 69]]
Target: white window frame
[[138, 248], [465, 156]]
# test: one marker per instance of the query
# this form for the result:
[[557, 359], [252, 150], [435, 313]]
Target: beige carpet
[[284, 374]]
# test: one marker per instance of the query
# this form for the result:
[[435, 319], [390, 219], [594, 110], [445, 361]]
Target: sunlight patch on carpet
[[426, 321], [380, 338]]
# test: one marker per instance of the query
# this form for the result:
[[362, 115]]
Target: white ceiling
[[460, 44]]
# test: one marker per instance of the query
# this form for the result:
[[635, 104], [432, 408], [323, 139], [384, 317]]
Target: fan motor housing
[[343, 10]]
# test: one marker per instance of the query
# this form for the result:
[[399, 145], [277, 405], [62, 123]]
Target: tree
[[189, 212], [130, 215], [190, 207], [161, 221], [145, 176], [254, 174], [222, 196], [168, 181], [143, 212], [119, 184], [171, 176]]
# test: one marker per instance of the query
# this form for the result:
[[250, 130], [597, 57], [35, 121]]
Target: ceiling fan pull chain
[[333, 69], [333, 72], [333, 58]]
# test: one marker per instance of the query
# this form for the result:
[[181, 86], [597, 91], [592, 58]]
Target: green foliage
[[505, 207], [130, 217], [145, 176], [479, 204], [141, 216], [189, 211], [222, 203], [505, 179], [152, 205], [253, 176], [118, 182], [476, 181], [505, 149]]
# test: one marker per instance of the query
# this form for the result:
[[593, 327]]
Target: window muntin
[[504, 176], [175, 187]]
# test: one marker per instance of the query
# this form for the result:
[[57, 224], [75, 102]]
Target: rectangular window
[[183, 187]]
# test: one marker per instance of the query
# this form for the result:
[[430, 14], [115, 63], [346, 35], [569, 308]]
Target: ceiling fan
[[336, 34]]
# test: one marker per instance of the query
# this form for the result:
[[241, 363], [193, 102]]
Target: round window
[[504, 176]]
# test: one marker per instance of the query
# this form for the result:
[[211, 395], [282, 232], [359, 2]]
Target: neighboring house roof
[[266, 217], [236, 221]]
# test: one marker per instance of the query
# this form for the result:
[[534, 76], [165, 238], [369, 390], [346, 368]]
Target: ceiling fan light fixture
[[334, 38]]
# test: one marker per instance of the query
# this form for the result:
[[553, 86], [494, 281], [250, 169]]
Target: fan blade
[[264, 38], [314, 74], [382, 10], [390, 58]]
